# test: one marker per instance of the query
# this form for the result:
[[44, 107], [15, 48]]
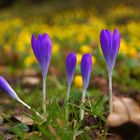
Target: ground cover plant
[[70, 99]]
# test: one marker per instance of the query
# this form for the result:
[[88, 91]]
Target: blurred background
[[73, 25]]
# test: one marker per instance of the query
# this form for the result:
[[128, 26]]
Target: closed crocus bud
[[110, 44], [4, 85], [42, 48], [86, 67], [70, 67]]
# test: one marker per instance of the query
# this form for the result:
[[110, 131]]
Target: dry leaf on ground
[[24, 119], [124, 110]]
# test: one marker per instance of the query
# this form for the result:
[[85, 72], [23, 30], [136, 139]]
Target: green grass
[[56, 125]]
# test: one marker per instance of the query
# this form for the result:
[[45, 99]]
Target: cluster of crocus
[[42, 48], [110, 43], [86, 67]]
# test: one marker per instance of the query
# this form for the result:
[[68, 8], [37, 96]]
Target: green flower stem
[[68, 93], [44, 96], [27, 106], [82, 105], [67, 105], [110, 93]]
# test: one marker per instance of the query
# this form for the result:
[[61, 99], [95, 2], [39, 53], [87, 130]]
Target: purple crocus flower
[[42, 48], [4, 85], [70, 67], [110, 44], [86, 67]]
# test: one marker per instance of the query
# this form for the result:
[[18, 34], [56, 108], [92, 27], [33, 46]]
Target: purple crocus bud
[[110, 44], [4, 85], [86, 68], [42, 48], [70, 67]]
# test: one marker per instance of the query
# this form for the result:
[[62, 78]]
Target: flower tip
[[2, 79], [33, 40], [71, 58], [46, 35], [4, 85], [102, 31], [103, 34], [33, 36], [47, 39], [87, 57], [72, 54], [116, 32]]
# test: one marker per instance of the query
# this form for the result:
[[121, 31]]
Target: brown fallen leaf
[[30, 81], [29, 72], [24, 119], [10, 137], [34, 133], [124, 110]]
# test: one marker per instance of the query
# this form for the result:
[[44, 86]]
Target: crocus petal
[[116, 43], [40, 50], [43, 51], [105, 43], [4, 85], [47, 49], [86, 68], [34, 47], [70, 67]]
